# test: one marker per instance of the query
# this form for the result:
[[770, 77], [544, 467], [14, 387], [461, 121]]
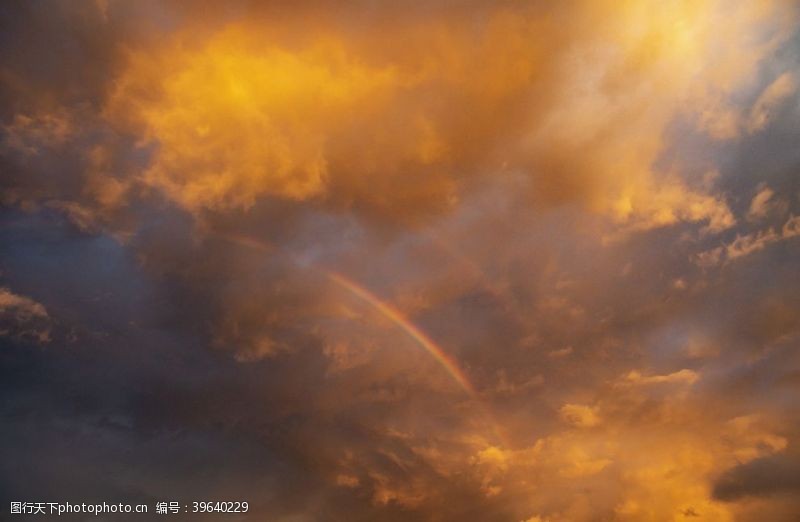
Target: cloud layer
[[463, 261]]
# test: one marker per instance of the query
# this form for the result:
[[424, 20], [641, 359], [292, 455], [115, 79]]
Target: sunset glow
[[411, 261]]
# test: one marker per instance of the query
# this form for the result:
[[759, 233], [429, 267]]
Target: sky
[[440, 261]]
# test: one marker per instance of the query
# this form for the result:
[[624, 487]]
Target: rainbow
[[383, 308], [391, 313]]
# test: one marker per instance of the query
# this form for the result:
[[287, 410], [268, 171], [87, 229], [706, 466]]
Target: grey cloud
[[774, 475]]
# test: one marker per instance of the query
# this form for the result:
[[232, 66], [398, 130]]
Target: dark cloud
[[766, 476]]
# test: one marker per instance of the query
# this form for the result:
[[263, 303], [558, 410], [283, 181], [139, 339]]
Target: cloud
[[23, 307], [23, 318], [726, 121], [756, 438], [747, 244], [761, 204], [769, 475], [680, 377], [341, 119], [528, 188], [777, 92], [560, 353], [580, 415], [241, 119]]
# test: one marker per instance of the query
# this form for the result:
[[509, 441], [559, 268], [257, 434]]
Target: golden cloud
[[342, 116]]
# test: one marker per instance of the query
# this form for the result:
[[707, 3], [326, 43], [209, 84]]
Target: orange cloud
[[747, 244], [342, 118], [308, 128], [580, 415], [23, 318]]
